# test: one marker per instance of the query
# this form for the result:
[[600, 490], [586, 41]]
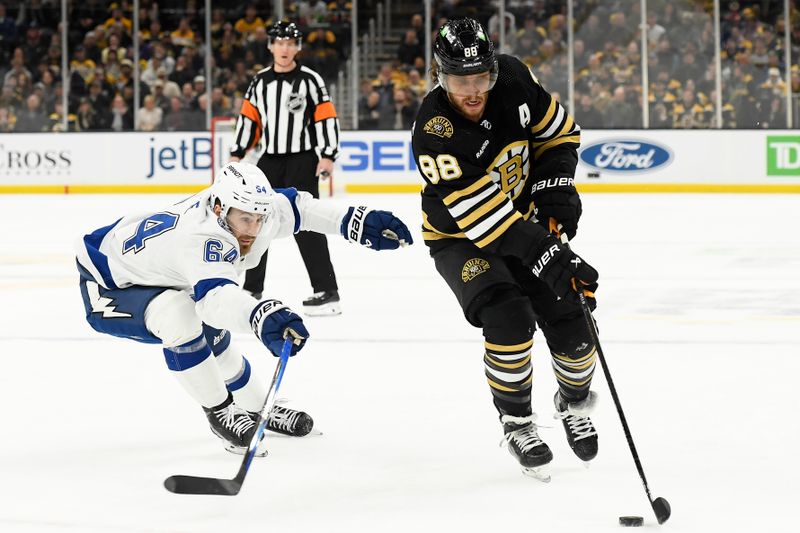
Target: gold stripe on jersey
[[480, 209], [485, 208], [453, 197], [489, 239], [555, 142], [548, 116], [429, 233]]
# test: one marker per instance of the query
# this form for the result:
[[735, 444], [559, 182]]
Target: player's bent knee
[[506, 315], [569, 336], [171, 317]]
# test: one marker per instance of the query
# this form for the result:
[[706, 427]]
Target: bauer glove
[[379, 230], [557, 198], [272, 322], [557, 265]]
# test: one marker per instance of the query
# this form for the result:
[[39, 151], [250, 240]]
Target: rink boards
[[382, 161]]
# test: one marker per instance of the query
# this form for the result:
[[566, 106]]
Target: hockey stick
[[660, 506], [180, 484]]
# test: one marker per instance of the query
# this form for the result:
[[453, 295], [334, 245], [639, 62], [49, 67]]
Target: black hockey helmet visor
[[465, 57]]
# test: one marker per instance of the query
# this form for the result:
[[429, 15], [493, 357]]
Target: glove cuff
[[560, 184], [353, 223], [261, 311]]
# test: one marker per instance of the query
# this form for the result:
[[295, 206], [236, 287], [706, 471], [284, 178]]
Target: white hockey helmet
[[243, 186]]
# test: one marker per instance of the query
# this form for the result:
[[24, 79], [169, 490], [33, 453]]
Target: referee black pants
[[298, 171]]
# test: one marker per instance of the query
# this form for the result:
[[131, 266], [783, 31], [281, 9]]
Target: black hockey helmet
[[462, 48], [285, 30]]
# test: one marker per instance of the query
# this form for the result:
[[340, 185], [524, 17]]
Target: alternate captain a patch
[[439, 126], [474, 268]]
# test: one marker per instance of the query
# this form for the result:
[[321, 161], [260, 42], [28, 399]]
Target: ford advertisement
[[626, 156]]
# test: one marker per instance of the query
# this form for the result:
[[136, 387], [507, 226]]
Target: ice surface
[[699, 313]]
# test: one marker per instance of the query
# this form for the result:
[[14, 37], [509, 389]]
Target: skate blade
[[241, 450], [542, 473], [331, 309]]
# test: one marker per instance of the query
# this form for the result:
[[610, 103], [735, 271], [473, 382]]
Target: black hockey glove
[[560, 268], [557, 198]]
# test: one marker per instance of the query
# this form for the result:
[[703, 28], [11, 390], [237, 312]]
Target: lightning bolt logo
[[100, 304]]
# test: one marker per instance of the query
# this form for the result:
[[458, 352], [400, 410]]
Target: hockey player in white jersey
[[171, 277]]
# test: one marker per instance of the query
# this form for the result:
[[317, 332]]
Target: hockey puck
[[631, 521]]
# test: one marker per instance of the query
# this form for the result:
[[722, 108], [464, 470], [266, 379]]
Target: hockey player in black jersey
[[498, 156]]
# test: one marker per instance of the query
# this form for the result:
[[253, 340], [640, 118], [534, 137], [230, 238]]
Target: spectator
[[410, 48], [17, 67], [417, 84], [56, 120], [384, 85], [689, 113], [183, 73], [198, 85], [121, 115], [587, 114], [171, 88], [150, 115], [8, 30], [196, 117], [32, 118], [34, 47], [258, 46], [85, 117], [7, 120], [182, 36], [248, 24], [161, 99], [620, 113], [93, 51], [655, 31], [369, 114], [175, 120], [404, 111], [119, 19]]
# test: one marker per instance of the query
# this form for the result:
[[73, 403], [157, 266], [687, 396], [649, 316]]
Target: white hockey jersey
[[183, 247]]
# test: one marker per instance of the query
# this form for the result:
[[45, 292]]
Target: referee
[[288, 105]]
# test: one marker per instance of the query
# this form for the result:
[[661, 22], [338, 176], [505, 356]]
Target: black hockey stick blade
[[202, 485], [662, 509], [180, 484]]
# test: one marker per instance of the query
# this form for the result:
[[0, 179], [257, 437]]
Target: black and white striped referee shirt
[[291, 110]]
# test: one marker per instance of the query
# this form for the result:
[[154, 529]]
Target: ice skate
[[581, 435], [233, 425], [525, 445], [287, 421], [325, 303]]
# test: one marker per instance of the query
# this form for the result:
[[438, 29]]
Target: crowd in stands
[[172, 60], [606, 49], [608, 61]]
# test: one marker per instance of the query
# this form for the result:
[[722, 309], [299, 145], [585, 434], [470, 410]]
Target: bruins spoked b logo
[[439, 126], [474, 268]]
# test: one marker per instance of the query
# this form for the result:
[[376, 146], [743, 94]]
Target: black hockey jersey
[[480, 176]]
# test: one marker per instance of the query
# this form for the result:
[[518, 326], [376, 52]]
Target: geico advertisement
[[376, 157]]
